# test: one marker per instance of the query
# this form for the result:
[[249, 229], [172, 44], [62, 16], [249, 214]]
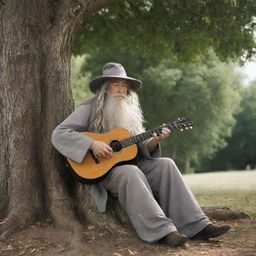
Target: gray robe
[[152, 192]]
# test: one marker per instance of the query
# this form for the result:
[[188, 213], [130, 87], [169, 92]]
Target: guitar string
[[137, 138], [140, 137]]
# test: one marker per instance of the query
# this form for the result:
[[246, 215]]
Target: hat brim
[[97, 82]]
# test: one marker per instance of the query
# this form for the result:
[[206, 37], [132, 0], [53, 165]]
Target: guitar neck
[[145, 135]]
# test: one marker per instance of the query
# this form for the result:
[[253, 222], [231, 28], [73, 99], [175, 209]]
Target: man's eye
[[117, 84]]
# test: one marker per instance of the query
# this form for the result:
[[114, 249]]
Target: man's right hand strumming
[[101, 149]]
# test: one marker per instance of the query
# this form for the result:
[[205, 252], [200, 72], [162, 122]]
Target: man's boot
[[175, 239], [211, 231]]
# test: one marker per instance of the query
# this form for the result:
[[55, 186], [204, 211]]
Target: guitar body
[[91, 171], [124, 147]]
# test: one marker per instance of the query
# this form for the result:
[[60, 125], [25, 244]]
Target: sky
[[249, 70]]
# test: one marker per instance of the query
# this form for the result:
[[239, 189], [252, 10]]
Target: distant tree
[[205, 92], [240, 152], [133, 64], [79, 80]]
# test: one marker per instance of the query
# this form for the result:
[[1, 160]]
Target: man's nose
[[121, 89]]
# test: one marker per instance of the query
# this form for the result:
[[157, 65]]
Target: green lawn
[[236, 190]]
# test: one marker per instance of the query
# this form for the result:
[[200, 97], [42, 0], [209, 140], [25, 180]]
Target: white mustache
[[119, 95]]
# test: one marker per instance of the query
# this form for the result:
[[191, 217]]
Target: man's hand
[[156, 138], [163, 135], [101, 149]]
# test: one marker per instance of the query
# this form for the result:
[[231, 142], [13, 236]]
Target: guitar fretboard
[[145, 135]]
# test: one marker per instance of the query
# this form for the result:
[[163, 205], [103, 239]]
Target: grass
[[235, 190], [238, 200]]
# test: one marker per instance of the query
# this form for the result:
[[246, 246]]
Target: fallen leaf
[[33, 250], [8, 248], [131, 252], [61, 250]]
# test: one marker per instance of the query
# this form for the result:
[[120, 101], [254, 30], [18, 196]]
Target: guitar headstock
[[184, 123]]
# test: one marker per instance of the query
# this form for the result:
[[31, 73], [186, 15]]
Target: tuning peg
[[190, 127], [187, 128], [181, 130]]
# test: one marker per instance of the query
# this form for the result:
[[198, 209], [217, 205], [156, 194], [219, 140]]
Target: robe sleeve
[[68, 140], [144, 153]]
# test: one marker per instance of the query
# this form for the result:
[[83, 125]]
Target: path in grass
[[222, 180]]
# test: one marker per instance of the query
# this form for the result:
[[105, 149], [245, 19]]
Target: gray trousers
[[156, 199]]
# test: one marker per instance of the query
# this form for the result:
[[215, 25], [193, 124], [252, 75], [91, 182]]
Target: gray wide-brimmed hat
[[113, 70]]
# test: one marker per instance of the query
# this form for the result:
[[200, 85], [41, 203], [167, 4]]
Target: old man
[[150, 188]]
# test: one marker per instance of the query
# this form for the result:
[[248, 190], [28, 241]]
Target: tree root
[[224, 213], [14, 223]]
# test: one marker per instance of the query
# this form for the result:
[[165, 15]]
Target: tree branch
[[74, 11], [95, 6]]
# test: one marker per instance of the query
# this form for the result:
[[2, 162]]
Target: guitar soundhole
[[115, 145]]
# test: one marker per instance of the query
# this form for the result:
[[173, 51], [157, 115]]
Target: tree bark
[[35, 95]]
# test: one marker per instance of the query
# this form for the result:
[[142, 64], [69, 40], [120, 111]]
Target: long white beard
[[124, 112]]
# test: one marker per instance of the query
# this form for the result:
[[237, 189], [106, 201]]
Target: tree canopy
[[184, 29]]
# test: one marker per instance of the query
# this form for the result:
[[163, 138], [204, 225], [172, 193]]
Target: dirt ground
[[44, 240]]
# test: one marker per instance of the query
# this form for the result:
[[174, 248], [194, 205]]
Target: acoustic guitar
[[124, 147]]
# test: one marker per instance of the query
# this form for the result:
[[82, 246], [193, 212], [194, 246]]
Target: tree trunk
[[224, 213], [187, 166], [35, 96]]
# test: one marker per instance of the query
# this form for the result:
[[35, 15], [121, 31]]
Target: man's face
[[118, 86]]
